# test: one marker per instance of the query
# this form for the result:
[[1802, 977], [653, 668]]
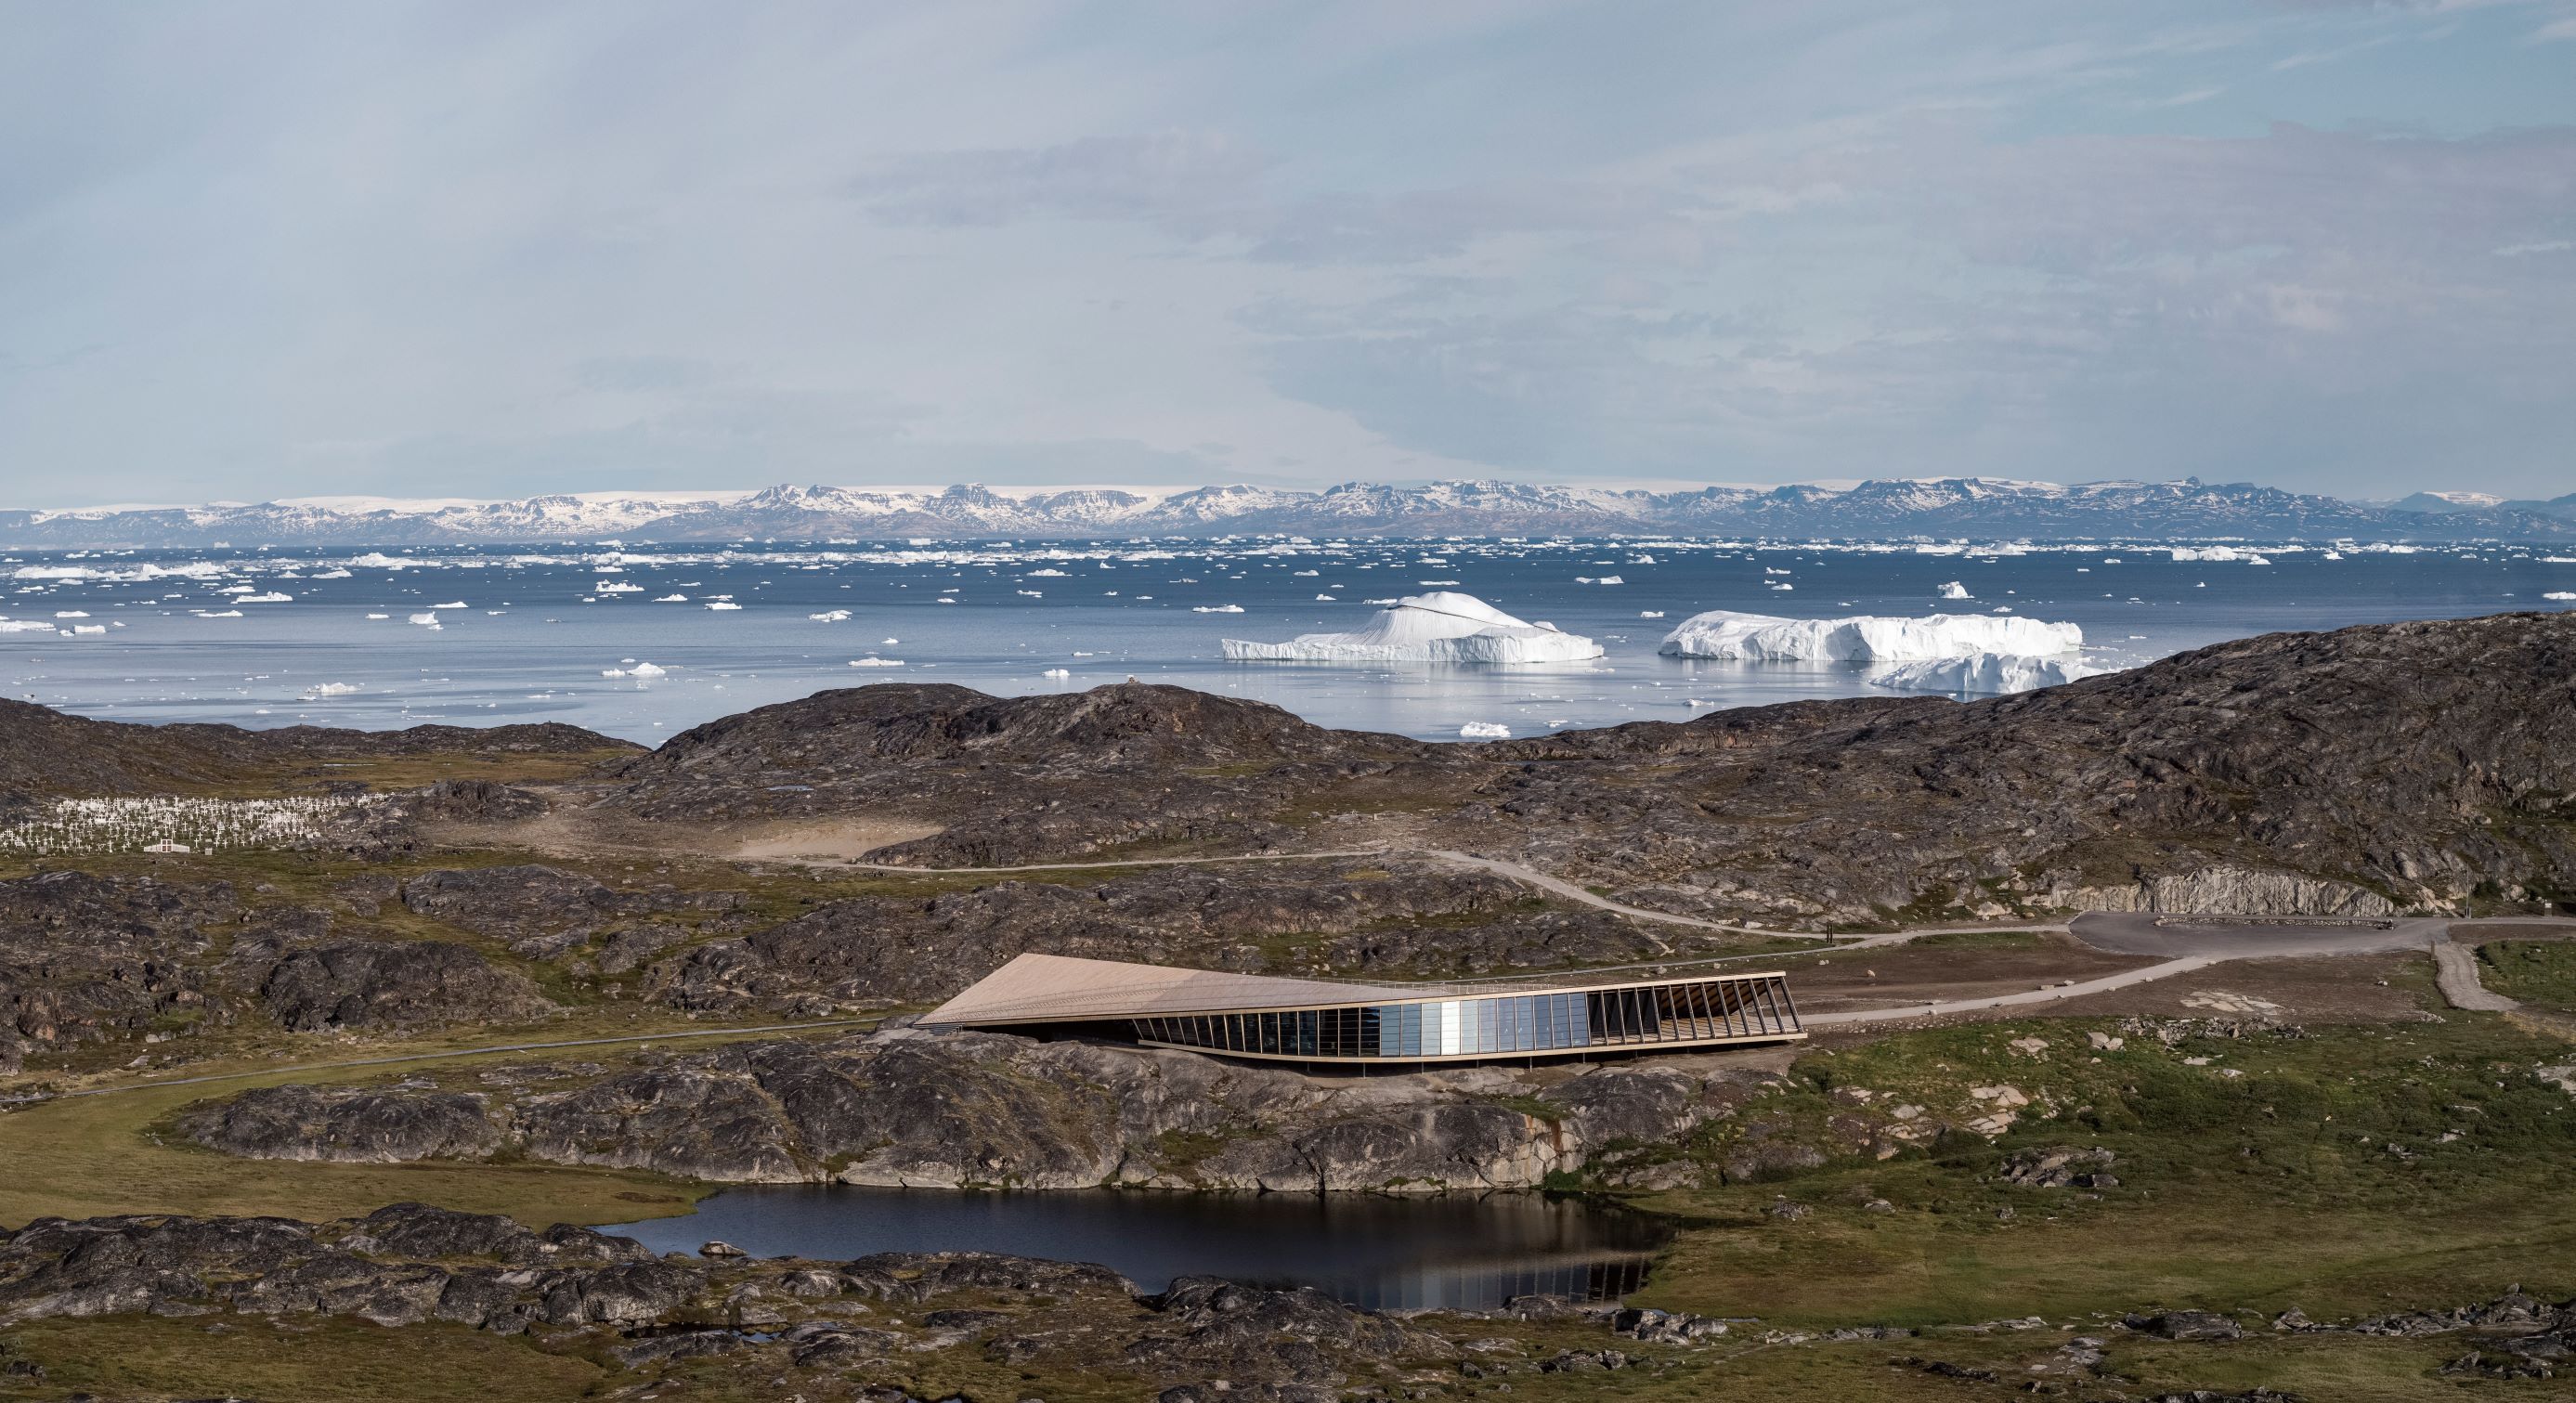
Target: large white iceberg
[[1725, 633], [1983, 674], [1442, 627]]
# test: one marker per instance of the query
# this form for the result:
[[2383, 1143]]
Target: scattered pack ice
[[1442, 627], [1983, 674], [1728, 634]]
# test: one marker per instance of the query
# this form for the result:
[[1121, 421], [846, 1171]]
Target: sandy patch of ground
[[1899, 976], [2311, 989], [597, 833], [832, 840]]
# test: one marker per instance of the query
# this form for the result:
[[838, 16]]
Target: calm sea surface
[[527, 635]]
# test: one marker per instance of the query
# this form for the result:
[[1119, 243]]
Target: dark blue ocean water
[[531, 633]]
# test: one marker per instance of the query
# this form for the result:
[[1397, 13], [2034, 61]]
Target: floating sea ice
[[1328, 599], [272, 597], [71, 613], [380, 616], [1955, 590], [1046, 574], [329, 575], [1305, 574], [889, 643], [77, 629], [25, 626], [1983, 674], [456, 604], [330, 689], [2560, 594], [226, 614], [722, 604], [1059, 672], [621, 587], [639, 670], [829, 616], [1442, 628], [427, 618], [671, 599], [2190, 553], [1728, 634], [1484, 730], [876, 662], [1216, 609], [1033, 593], [1650, 613]]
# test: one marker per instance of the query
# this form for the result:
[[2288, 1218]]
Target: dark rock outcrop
[[949, 1109], [368, 984], [345, 1125]]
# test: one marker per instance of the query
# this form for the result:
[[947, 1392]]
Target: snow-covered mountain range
[[1946, 508]]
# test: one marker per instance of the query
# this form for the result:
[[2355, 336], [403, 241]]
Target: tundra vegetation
[[333, 1157]]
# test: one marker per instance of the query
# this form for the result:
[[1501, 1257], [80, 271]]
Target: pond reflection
[[1449, 1251]]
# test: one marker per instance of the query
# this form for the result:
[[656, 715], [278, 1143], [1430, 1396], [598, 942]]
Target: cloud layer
[[268, 248]]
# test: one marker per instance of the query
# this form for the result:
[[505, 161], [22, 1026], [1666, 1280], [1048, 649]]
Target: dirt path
[[2455, 970], [2050, 994]]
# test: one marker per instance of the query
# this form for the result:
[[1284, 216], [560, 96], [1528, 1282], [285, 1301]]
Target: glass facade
[[1721, 1009]]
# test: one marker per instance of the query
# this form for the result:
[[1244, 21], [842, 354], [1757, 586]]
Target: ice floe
[[2190, 553], [1433, 628], [1728, 634], [1983, 674], [876, 662]]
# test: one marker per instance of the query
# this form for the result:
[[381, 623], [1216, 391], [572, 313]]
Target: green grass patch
[[2541, 973]]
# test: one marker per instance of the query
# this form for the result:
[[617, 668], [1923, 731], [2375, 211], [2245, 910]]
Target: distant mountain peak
[[1940, 508]]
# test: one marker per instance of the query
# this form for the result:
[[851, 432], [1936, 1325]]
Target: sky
[[254, 249]]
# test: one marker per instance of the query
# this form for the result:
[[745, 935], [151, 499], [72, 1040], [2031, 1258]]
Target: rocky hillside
[[45, 753], [1016, 779], [2403, 764], [2375, 768]]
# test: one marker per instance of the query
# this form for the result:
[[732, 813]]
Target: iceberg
[[2560, 594], [876, 662], [1725, 633], [1441, 627], [1955, 590], [1484, 730], [722, 604], [1983, 674]]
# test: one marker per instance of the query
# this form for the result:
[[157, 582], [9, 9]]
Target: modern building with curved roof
[[1332, 1021]]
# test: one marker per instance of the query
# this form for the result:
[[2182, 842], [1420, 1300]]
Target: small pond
[[1385, 1253]]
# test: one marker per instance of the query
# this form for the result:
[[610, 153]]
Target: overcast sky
[[252, 249]]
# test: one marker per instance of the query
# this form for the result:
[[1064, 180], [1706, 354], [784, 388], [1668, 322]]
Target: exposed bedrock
[[578, 1289], [954, 1109], [1390, 916]]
